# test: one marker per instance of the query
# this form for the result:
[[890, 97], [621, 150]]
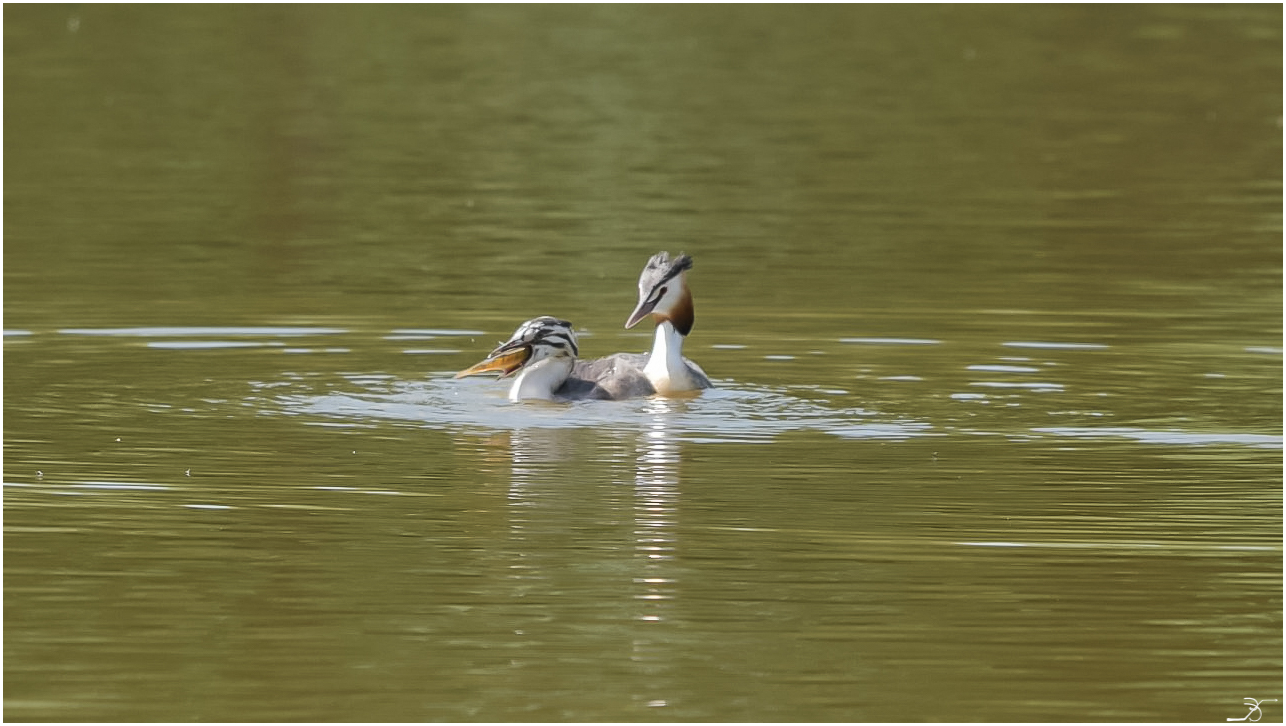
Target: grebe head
[[536, 340], [663, 292]]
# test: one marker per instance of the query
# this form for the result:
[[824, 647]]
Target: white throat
[[541, 379], [665, 368]]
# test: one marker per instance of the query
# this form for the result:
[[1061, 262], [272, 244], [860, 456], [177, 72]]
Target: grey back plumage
[[616, 377]]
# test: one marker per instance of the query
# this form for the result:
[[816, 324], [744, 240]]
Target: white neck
[[665, 368], [540, 380]]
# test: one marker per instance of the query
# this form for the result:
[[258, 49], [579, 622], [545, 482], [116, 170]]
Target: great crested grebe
[[543, 352], [664, 294]]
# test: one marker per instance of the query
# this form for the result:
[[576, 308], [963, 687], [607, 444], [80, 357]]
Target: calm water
[[993, 298]]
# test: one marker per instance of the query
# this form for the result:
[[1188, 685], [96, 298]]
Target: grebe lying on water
[[542, 351], [664, 294]]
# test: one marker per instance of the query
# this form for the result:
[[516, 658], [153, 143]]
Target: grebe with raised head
[[664, 295]]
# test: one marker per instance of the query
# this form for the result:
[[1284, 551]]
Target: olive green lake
[[991, 297]]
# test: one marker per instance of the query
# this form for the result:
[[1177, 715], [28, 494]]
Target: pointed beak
[[506, 363], [640, 312]]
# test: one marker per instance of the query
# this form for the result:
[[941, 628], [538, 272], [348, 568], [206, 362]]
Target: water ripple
[[1188, 438], [181, 331], [729, 413]]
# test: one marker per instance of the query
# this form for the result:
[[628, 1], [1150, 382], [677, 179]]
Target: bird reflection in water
[[554, 493], [656, 505]]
